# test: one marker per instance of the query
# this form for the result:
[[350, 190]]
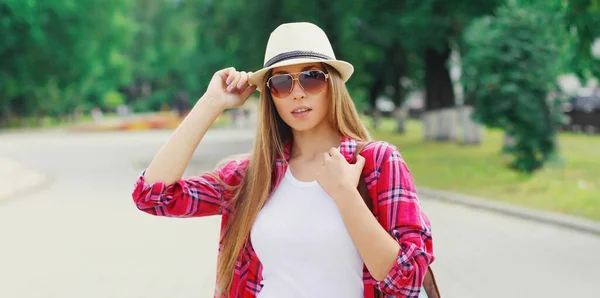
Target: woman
[[293, 221]]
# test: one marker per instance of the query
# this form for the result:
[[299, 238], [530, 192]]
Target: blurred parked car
[[583, 114]]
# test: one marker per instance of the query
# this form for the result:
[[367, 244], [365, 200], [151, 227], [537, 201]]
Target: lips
[[301, 109], [301, 112]]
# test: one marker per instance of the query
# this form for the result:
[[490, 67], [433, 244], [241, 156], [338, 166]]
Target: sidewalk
[[16, 179]]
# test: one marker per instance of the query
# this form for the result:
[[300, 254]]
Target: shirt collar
[[347, 148]]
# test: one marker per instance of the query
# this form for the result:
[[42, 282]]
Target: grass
[[570, 187]]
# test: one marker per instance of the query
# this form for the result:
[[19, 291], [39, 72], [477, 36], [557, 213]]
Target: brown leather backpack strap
[[364, 193], [430, 285], [362, 186]]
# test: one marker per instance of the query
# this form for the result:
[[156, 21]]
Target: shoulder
[[384, 158], [388, 167], [380, 152]]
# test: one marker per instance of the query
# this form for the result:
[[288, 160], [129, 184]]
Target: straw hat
[[296, 43]]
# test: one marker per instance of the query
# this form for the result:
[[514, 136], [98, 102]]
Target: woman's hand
[[338, 177], [229, 88]]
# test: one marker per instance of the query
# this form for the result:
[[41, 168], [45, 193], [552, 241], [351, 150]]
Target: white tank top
[[304, 246]]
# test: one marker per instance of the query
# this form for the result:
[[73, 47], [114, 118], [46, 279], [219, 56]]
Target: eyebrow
[[303, 69]]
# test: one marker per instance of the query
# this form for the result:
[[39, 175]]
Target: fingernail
[[229, 89], [239, 85], [228, 81]]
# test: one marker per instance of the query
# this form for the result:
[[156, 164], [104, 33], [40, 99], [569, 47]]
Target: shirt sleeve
[[401, 215], [196, 196]]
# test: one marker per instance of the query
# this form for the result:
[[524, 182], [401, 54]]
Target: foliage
[[582, 18], [57, 53], [510, 67], [112, 100], [61, 55]]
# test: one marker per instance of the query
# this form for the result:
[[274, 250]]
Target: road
[[81, 236]]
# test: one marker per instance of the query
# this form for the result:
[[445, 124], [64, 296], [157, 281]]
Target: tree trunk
[[439, 95], [400, 114], [4, 115], [398, 62], [438, 85], [374, 91], [401, 111], [472, 131]]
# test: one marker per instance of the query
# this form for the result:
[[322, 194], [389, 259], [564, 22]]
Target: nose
[[297, 91]]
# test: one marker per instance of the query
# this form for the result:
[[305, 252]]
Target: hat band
[[296, 54]]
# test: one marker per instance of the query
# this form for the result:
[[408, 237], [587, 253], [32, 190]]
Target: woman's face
[[304, 107]]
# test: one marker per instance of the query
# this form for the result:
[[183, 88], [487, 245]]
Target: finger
[[360, 161], [248, 91], [249, 75], [238, 79], [225, 73], [326, 158], [234, 81], [334, 151], [243, 81]]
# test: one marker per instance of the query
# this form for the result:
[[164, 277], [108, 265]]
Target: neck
[[310, 145]]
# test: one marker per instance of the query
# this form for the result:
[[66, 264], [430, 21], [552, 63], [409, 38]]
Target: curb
[[18, 179], [552, 218]]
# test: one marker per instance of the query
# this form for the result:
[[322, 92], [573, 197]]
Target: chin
[[312, 122], [302, 126]]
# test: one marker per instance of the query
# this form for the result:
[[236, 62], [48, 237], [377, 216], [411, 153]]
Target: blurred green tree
[[406, 45], [63, 54], [165, 42], [581, 18], [510, 67], [57, 54]]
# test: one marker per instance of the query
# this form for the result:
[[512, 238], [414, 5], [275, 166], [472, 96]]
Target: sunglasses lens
[[281, 85], [312, 81]]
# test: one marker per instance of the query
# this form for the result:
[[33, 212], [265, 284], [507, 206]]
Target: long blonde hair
[[271, 135]]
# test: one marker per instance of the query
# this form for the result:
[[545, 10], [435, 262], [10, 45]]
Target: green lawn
[[572, 187]]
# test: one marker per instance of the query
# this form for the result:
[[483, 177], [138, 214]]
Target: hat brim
[[344, 68]]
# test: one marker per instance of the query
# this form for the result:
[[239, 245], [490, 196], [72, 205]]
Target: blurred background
[[490, 102]]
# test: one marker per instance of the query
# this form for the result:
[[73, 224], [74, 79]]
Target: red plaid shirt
[[387, 177]]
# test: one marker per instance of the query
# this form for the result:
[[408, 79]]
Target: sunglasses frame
[[296, 79]]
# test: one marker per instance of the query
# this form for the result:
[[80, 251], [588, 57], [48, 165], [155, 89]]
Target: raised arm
[[171, 160], [160, 190]]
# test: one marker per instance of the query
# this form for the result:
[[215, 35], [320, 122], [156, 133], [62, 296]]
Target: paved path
[[82, 236], [18, 179]]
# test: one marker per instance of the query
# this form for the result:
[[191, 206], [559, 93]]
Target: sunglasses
[[311, 81]]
